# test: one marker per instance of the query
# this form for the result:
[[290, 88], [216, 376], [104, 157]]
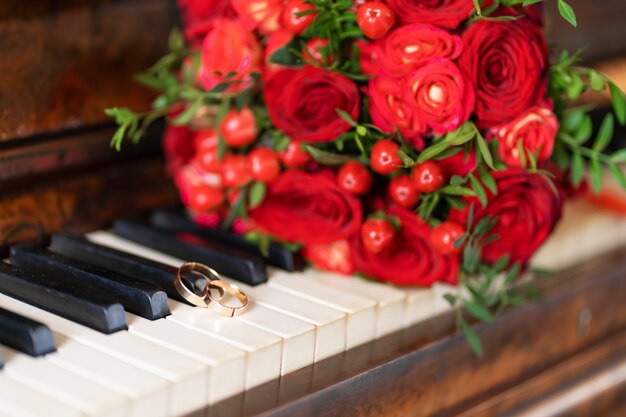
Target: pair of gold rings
[[205, 298]]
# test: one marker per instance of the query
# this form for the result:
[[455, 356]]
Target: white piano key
[[419, 304], [390, 302], [148, 392], [297, 337], [19, 400], [41, 375], [188, 378], [264, 348], [330, 324], [361, 311], [440, 304], [227, 363]]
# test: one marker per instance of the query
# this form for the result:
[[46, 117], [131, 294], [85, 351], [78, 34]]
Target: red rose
[[303, 102], [533, 131], [228, 48], [527, 209], [410, 259], [368, 59], [198, 16], [389, 110], [263, 15], [441, 94], [460, 163], [507, 65], [307, 208], [178, 147], [412, 46], [445, 13]]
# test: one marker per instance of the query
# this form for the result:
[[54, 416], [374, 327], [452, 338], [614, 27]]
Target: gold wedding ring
[[189, 295], [221, 308], [213, 281]]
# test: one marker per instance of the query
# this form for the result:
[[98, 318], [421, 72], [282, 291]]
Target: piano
[[90, 325]]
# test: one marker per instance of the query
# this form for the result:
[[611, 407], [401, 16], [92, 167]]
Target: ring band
[[227, 288], [189, 295]]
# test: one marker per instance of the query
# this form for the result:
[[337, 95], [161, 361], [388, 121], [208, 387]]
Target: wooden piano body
[[63, 62]]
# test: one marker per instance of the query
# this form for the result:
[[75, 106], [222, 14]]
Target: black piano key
[[85, 306], [175, 222], [136, 296], [233, 263], [26, 335], [146, 270]]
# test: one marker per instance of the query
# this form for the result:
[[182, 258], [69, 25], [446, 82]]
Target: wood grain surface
[[64, 61]]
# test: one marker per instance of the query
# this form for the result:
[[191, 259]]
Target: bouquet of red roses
[[409, 141]]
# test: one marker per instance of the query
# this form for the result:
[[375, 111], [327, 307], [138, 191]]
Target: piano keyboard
[[123, 349]]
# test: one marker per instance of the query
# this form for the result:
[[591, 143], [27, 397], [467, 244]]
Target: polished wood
[[429, 371], [83, 202], [65, 61]]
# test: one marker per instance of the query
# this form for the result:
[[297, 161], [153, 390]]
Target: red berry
[[204, 139], [377, 234], [402, 191], [354, 178], [293, 156], [384, 157], [443, 236], [239, 128], [205, 197], [293, 23], [207, 158], [235, 171], [375, 19], [428, 177], [264, 164]]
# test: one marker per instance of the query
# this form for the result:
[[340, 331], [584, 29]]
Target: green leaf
[[584, 131], [257, 194], [484, 150], [450, 298], [619, 103], [264, 245], [432, 151], [596, 81], [189, 113], [345, 116], [479, 190], [578, 167], [567, 12], [361, 130], [619, 156], [472, 338], [605, 134], [596, 174], [575, 86], [460, 241], [406, 159], [478, 311], [457, 181], [452, 190], [513, 273], [488, 181], [618, 174], [428, 205], [328, 158]]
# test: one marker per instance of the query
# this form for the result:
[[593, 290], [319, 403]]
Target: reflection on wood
[[63, 62]]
